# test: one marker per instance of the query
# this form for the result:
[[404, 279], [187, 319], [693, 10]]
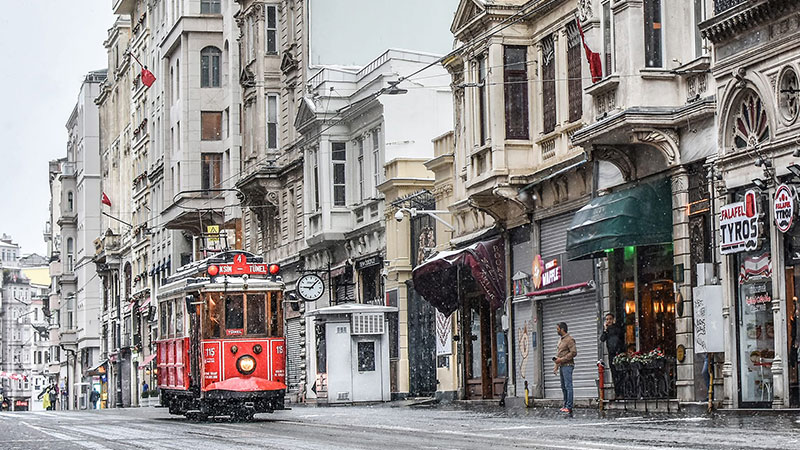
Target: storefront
[[563, 291], [792, 274], [761, 240], [471, 282], [631, 229]]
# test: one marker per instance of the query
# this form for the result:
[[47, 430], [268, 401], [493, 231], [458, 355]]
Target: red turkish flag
[[595, 64], [147, 77], [105, 200]]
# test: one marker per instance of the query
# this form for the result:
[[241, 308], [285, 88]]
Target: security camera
[[398, 216]]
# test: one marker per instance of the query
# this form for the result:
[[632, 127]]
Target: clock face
[[310, 287]]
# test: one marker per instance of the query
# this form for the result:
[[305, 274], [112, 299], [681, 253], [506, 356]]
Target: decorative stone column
[[778, 305], [684, 324]]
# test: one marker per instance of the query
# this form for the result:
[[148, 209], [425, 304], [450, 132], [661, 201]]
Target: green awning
[[641, 215]]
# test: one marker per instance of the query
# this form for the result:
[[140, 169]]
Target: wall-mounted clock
[[310, 287]]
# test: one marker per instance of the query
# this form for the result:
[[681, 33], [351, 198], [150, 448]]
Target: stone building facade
[[755, 73]]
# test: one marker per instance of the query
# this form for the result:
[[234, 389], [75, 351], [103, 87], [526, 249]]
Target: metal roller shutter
[[523, 344], [553, 234], [580, 313], [293, 360]]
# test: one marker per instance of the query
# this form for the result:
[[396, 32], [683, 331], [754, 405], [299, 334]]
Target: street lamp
[[413, 212]]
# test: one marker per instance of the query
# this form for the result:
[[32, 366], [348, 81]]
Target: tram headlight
[[246, 364]]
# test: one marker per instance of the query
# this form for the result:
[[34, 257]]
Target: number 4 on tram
[[221, 348]]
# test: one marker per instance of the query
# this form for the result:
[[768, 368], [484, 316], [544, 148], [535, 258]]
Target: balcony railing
[[724, 5]]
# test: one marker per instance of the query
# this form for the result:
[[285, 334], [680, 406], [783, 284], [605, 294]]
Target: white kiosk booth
[[353, 344]]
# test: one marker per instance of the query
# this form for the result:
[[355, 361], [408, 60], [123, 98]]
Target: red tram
[[221, 349]]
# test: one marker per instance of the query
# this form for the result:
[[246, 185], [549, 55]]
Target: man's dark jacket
[[614, 337]]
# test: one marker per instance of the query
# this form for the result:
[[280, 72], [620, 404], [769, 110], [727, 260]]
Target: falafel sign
[[783, 208], [738, 225]]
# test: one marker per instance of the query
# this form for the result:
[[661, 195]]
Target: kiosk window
[[366, 356]]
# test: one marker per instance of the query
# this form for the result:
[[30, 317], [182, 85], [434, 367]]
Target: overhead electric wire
[[346, 113], [502, 25]]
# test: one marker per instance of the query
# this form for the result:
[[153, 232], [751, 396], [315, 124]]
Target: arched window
[[750, 122], [209, 67], [70, 202]]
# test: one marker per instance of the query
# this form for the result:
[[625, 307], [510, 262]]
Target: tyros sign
[[783, 208], [738, 225]]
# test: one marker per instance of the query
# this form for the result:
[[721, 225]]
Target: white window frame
[[272, 129], [211, 6], [273, 30], [608, 69], [360, 168], [342, 165], [377, 167], [696, 29]]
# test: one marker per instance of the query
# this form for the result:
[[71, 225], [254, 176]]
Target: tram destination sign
[[783, 209], [738, 225]]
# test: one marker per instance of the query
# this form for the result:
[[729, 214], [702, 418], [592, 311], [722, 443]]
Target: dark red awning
[[437, 279]]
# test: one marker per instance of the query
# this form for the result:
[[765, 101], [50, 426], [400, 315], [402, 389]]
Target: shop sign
[[21, 403], [444, 334], [783, 208], [758, 299], [368, 262], [545, 274], [739, 225]]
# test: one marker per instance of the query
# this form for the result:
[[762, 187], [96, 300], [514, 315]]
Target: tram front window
[[234, 315], [211, 317], [255, 314]]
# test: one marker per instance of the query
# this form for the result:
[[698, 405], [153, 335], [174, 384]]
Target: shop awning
[[98, 370], [641, 215], [145, 362], [437, 279]]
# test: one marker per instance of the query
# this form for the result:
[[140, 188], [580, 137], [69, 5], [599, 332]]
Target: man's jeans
[[566, 385]]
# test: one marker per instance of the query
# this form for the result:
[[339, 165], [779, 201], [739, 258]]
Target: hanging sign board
[[444, 334], [783, 209], [738, 225]]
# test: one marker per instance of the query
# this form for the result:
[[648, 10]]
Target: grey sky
[[48, 45], [346, 32]]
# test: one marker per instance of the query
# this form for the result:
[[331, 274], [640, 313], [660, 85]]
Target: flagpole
[[118, 220], [137, 60]]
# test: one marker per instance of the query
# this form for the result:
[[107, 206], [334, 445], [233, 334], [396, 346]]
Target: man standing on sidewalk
[[614, 337], [565, 363]]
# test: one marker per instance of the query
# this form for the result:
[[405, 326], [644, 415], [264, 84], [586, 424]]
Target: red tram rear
[[222, 349]]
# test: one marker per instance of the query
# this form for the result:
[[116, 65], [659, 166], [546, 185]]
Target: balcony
[[68, 169], [734, 17], [192, 211], [122, 6], [724, 5]]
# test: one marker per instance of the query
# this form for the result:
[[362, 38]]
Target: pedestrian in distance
[[53, 397], [94, 396], [44, 396], [566, 351], [614, 337]]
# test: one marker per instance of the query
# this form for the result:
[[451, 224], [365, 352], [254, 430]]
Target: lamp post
[[414, 212]]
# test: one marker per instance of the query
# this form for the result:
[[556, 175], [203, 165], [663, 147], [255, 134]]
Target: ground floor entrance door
[[484, 350]]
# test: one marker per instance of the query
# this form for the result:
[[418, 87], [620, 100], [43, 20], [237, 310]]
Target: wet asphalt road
[[388, 427]]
